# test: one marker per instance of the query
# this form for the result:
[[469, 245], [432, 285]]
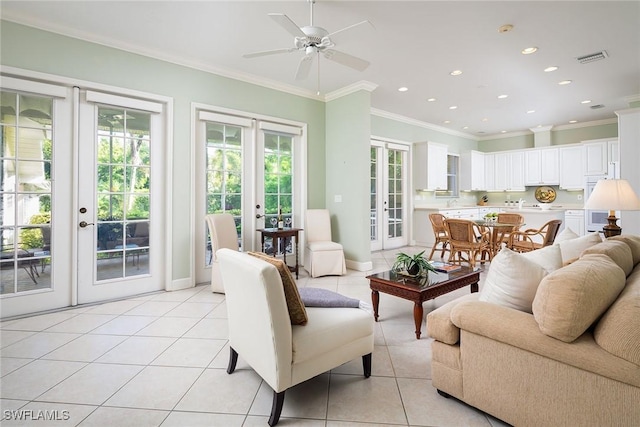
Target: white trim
[[399, 147], [121, 101], [179, 284], [168, 199], [352, 88], [208, 116], [75, 141], [276, 127], [359, 265], [419, 123], [586, 124], [39, 88]]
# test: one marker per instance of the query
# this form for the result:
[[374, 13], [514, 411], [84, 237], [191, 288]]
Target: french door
[[249, 167], [388, 185], [120, 197]]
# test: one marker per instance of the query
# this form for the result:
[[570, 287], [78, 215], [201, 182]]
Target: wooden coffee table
[[420, 290]]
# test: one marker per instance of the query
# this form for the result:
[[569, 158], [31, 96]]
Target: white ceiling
[[412, 43]]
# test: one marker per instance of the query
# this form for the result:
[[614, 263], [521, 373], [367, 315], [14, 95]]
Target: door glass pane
[[224, 176], [278, 184], [25, 192], [395, 167], [123, 185], [374, 194]]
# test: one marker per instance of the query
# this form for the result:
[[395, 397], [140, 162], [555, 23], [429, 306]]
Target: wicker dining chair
[[509, 218], [440, 233], [467, 237], [532, 239]]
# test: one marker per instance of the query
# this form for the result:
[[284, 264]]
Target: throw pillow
[[565, 234], [297, 312], [549, 257], [570, 299], [512, 281], [572, 248], [618, 251]]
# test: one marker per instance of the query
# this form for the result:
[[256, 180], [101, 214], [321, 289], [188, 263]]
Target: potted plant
[[413, 265]]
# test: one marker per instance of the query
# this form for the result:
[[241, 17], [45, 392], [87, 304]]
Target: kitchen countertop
[[525, 209]]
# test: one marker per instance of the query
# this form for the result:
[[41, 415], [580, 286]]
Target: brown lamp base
[[611, 229]]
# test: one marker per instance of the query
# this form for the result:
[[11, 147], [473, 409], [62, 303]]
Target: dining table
[[498, 233]]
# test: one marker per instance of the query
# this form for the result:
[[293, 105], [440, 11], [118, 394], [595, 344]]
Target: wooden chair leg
[[366, 364], [233, 359], [276, 408]]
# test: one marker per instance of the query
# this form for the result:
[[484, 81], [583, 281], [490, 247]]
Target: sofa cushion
[[549, 257], [618, 331], [634, 245], [571, 249], [512, 281], [297, 312], [570, 299], [618, 251]]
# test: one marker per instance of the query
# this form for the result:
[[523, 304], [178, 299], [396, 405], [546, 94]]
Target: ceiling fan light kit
[[312, 40]]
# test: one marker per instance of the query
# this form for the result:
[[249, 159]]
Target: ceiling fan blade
[[285, 22], [337, 34], [304, 67], [268, 52], [346, 59]]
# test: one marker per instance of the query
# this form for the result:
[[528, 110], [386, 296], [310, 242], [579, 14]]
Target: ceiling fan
[[313, 40]]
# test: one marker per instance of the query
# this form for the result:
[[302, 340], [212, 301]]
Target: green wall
[[36, 50]]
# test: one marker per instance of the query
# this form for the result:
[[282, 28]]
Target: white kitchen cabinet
[[542, 167], [462, 213], [490, 171], [509, 171], [572, 167], [472, 171], [596, 159], [430, 166], [574, 220]]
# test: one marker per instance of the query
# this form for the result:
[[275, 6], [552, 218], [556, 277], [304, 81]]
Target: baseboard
[[359, 266], [179, 284]]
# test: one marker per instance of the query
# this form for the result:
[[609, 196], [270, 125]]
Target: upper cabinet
[[509, 171], [430, 166], [542, 167], [601, 156], [472, 171], [572, 167], [489, 171]]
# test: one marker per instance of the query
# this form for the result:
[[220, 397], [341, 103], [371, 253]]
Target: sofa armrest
[[439, 325], [519, 329]]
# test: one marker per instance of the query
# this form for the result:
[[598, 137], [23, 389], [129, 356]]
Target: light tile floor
[[160, 360]]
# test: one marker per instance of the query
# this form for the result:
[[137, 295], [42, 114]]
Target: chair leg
[[276, 408], [366, 364], [233, 359]]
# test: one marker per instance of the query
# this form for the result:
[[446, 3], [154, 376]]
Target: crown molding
[[352, 88], [632, 98], [419, 123], [586, 124]]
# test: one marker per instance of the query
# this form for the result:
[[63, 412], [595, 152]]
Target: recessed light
[[505, 28], [529, 50], [564, 82], [403, 89], [456, 72], [453, 107], [573, 121], [531, 111], [550, 69], [485, 120], [446, 122], [503, 131], [431, 100], [465, 127], [503, 96], [586, 101]]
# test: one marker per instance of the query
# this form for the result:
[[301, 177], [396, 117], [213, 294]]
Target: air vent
[[596, 107], [592, 57]]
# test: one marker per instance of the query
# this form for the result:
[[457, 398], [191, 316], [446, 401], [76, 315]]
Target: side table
[[284, 234]]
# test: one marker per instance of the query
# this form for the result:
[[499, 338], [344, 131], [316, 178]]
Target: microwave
[[595, 219]]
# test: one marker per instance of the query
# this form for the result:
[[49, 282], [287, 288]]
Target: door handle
[[83, 224], [258, 216]]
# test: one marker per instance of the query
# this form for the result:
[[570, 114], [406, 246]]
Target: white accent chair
[[260, 329], [222, 230], [322, 257]]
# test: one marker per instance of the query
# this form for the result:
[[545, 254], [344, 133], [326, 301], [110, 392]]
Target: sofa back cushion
[[618, 331], [570, 299], [572, 248], [634, 245], [618, 251]]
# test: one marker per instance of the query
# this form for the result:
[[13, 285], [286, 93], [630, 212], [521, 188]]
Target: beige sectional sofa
[[572, 359]]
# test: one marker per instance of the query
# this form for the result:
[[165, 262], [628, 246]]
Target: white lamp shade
[[614, 195]]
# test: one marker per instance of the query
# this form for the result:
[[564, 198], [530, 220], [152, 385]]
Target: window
[[453, 162]]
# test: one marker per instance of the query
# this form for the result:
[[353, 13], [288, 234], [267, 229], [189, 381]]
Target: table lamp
[[613, 195]]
